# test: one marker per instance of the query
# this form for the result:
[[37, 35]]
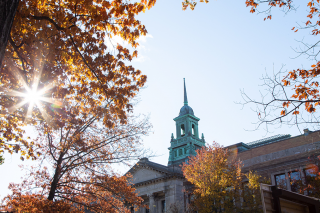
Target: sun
[[32, 96], [35, 98]]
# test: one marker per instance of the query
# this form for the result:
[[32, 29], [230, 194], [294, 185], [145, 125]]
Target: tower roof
[[186, 109], [185, 92]]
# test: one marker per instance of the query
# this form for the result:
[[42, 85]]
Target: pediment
[[144, 174]]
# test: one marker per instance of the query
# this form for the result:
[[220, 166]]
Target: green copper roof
[[268, 140]]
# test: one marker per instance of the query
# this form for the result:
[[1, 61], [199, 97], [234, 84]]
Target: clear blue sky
[[220, 48]]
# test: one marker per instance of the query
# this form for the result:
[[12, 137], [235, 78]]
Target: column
[[186, 201], [288, 180], [273, 181], [303, 179], [152, 204]]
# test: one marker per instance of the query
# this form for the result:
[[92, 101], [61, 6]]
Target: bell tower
[[187, 134]]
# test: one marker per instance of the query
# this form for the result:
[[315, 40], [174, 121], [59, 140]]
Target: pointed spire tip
[[185, 93]]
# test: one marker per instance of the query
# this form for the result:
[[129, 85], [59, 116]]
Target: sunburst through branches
[[33, 96]]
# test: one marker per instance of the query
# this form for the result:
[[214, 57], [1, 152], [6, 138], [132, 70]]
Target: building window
[[193, 130], [295, 181], [185, 151], [163, 206], [281, 181], [175, 153], [311, 178], [183, 132], [312, 171], [180, 152]]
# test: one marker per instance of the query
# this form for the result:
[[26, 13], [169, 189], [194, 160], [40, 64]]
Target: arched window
[[193, 130], [183, 132]]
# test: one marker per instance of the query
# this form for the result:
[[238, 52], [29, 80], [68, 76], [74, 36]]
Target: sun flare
[[35, 98], [32, 96]]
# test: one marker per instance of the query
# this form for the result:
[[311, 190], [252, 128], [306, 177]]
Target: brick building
[[281, 158]]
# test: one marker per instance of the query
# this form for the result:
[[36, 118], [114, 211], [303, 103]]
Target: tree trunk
[[8, 9], [56, 178]]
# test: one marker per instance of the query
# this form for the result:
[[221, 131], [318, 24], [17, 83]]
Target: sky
[[220, 48]]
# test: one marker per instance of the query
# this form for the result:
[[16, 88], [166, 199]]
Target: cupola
[[187, 135]]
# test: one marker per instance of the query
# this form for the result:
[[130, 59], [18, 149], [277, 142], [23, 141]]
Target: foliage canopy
[[78, 173], [217, 181], [63, 74], [64, 50]]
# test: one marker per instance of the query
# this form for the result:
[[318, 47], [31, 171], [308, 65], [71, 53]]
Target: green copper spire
[[187, 139], [185, 93]]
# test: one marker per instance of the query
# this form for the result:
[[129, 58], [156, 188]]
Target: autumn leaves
[[218, 185], [62, 43]]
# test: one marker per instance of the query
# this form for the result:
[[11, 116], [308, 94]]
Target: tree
[[61, 52], [218, 182], [215, 180], [7, 13], [78, 172], [62, 74], [281, 103], [289, 94], [1, 159], [250, 197], [191, 4]]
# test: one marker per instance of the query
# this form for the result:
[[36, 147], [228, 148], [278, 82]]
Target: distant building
[[279, 158]]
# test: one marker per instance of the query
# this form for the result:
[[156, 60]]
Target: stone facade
[[160, 186]]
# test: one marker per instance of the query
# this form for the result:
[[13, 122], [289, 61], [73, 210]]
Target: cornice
[[160, 179]]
